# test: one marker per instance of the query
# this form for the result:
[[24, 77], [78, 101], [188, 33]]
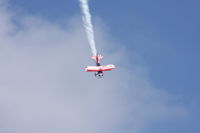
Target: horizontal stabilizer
[[97, 57]]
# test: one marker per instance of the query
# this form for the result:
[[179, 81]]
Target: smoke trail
[[88, 25]]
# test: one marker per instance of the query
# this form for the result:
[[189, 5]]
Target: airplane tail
[[97, 57]]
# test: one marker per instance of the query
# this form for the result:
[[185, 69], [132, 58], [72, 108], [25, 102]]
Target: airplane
[[98, 69]]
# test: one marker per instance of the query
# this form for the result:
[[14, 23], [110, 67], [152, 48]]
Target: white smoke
[[88, 25]]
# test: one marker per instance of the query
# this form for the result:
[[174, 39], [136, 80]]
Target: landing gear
[[99, 74]]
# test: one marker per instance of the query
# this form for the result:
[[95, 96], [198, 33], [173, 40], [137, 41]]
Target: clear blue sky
[[165, 33]]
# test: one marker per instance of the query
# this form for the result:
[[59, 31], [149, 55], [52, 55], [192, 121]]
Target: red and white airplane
[[98, 68]]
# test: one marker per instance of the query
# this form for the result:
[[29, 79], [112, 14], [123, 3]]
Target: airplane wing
[[99, 68]]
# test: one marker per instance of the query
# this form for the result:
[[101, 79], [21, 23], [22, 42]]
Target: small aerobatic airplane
[[98, 68]]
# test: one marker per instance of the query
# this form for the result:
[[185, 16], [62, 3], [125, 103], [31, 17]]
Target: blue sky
[[164, 33]]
